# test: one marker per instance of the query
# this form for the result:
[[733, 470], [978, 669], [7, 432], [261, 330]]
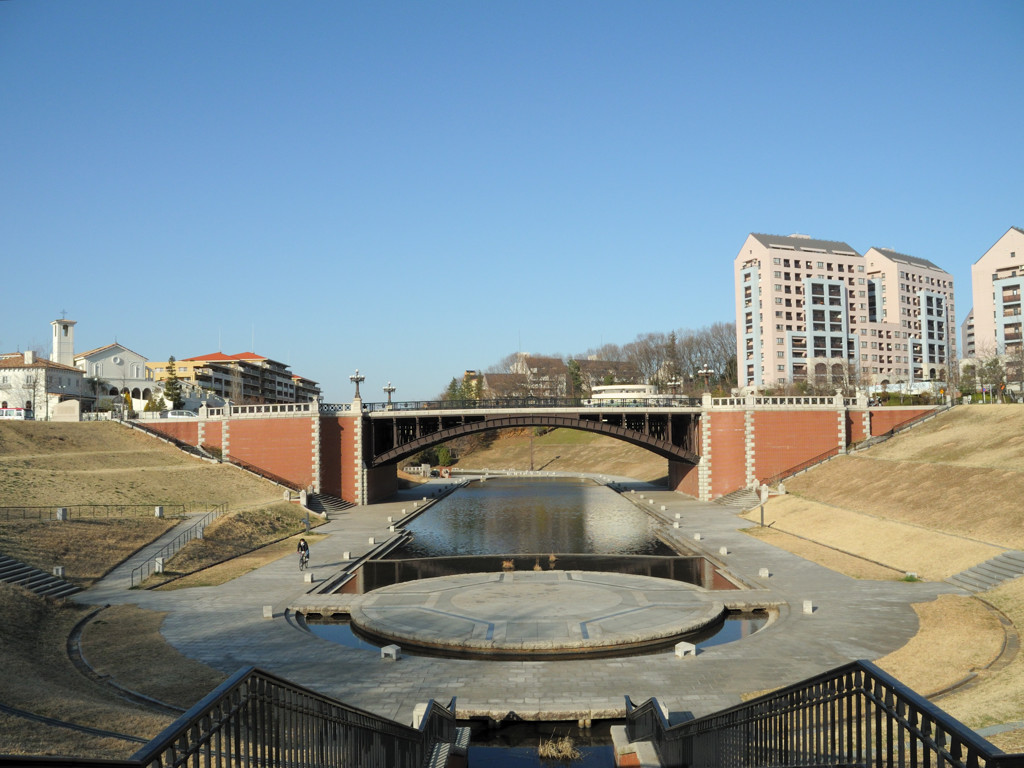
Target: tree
[[172, 387], [156, 402], [575, 379]]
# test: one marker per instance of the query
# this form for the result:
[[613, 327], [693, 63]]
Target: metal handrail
[[825, 456], [142, 572], [852, 715], [255, 718], [264, 473]]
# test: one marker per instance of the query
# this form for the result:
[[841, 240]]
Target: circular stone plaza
[[546, 645]]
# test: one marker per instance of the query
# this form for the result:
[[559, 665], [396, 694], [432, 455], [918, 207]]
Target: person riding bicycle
[[303, 550]]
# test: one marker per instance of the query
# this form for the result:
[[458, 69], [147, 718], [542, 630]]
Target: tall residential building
[[793, 302], [997, 279], [817, 311]]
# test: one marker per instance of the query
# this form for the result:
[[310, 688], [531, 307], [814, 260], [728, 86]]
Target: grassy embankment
[[48, 464], [933, 501]]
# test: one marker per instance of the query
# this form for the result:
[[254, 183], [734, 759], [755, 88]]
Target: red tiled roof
[[17, 360]]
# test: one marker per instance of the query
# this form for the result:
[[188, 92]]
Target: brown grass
[[902, 546], [567, 450], [39, 677], [124, 642], [63, 464]]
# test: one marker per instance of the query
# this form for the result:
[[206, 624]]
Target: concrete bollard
[[651, 502], [723, 550], [679, 515], [58, 571], [346, 555], [403, 511], [664, 508], [697, 537], [391, 528], [158, 565], [391, 519], [308, 577], [62, 514], [808, 606], [763, 573], [675, 524], [685, 649], [372, 540], [393, 652], [641, 496], [268, 611], [158, 512]]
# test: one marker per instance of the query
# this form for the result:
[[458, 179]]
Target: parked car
[[181, 415]]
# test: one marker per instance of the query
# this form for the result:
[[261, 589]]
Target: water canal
[[528, 521]]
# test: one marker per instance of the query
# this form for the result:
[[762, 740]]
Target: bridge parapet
[[259, 411]]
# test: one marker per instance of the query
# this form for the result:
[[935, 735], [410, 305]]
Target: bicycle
[[303, 561]]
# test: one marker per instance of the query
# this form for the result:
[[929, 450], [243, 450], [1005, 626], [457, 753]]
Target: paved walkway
[[225, 628]]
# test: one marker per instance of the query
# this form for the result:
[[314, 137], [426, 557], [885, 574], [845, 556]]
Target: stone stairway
[[744, 498], [991, 573], [322, 504], [42, 583]]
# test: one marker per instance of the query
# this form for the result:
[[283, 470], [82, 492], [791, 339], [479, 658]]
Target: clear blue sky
[[418, 188]]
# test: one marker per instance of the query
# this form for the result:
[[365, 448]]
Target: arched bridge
[[400, 430]]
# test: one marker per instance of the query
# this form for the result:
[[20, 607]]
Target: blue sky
[[418, 188]]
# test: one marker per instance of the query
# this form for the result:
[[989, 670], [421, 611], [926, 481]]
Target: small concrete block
[[268, 611], [651, 502], [392, 652], [415, 505], [403, 511], [664, 508], [308, 577], [723, 550], [808, 606], [391, 528], [675, 524], [685, 649], [372, 540], [679, 515], [391, 519], [697, 537], [158, 565], [58, 571], [346, 555], [62, 514], [158, 512], [641, 496], [764, 573]]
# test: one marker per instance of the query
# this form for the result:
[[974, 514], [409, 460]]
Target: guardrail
[[854, 715], [533, 402], [257, 719], [94, 510], [264, 473], [142, 572]]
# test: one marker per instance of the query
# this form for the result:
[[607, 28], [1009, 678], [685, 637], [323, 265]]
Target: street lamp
[[706, 373], [355, 379], [389, 389], [673, 384]]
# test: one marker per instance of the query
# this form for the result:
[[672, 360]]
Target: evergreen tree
[[172, 387]]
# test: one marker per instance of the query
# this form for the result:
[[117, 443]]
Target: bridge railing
[[853, 715], [527, 403]]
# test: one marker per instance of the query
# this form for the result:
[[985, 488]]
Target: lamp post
[[706, 373], [355, 379], [389, 389], [673, 384]]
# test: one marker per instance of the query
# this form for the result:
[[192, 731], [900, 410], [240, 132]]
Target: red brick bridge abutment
[[713, 446]]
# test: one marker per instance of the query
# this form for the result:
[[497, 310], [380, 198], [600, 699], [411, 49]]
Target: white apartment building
[[997, 280], [817, 311]]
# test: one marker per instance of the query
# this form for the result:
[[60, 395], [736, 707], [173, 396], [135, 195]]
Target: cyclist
[[303, 550]]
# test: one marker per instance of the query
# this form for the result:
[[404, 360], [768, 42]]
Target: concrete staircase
[[991, 573], [744, 498], [42, 583], [322, 504]]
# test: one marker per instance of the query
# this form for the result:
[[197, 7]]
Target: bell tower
[[63, 341]]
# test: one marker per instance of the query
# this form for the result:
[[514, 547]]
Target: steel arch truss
[[393, 438]]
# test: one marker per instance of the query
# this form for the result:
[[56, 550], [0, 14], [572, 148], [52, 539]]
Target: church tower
[[63, 342]]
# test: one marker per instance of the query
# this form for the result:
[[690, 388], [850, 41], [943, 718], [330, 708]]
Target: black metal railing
[[264, 473], [96, 510], [142, 572], [825, 456], [256, 719], [668, 401], [855, 715]]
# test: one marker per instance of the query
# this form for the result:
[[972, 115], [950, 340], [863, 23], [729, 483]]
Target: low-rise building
[[242, 378], [37, 384]]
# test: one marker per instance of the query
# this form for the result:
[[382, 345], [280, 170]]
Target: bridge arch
[[662, 447]]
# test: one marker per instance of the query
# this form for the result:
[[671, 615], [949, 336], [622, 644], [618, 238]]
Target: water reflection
[[509, 515]]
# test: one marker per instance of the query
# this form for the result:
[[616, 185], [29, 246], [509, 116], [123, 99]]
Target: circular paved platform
[[539, 613]]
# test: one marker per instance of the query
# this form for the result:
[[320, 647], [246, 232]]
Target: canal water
[[516, 515]]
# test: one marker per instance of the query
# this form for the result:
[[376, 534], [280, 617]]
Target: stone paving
[[225, 627]]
